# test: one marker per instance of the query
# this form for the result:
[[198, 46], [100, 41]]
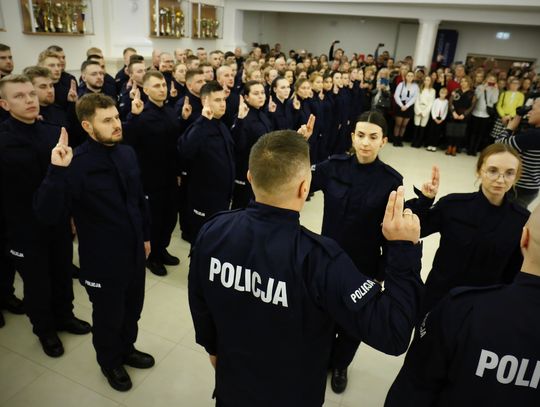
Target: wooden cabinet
[[64, 17], [207, 21]]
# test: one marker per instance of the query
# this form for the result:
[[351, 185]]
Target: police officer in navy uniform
[[99, 185], [152, 130], [355, 188], [208, 145], [40, 253], [265, 293], [136, 70], [188, 108], [480, 231], [479, 346]]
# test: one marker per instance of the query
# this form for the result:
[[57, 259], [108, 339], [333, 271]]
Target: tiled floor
[[182, 375]]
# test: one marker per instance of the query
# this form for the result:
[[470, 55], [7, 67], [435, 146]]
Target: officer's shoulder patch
[[461, 292], [339, 157], [393, 172], [328, 245]]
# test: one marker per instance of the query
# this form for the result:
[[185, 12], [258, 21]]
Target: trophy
[[216, 28], [204, 27]]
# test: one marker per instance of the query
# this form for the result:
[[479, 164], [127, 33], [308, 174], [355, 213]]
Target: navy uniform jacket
[[153, 134], [265, 295], [282, 118], [25, 153], [246, 132], [54, 114], [102, 190], [61, 89], [231, 112], [478, 347], [355, 198], [479, 243], [121, 78], [109, 89], [209, 147]]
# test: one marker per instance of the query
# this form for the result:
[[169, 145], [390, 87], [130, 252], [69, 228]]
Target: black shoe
[[118, 378], [52, 346], [2, 321], [75, 326], [168, 259], [157, 268], [139, 359], [339, 380], [12, 304]]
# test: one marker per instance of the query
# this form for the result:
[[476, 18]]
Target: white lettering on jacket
[[362, 290], [16, 254], [244, 280], [92, 284], [509, 369]]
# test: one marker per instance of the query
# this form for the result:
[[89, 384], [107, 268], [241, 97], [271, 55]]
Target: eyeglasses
[[493, 174]]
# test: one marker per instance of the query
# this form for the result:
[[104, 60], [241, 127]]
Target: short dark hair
[[135, 58], [192, 72], [125, 51], [152, 74], [374, 117], [55, 48], [87, 63], [276, 158], [88, 104], [209, 87], [92, 57], [34, 72], [249, 85]]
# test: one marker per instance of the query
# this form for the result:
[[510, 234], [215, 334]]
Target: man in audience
[[6, 61], [122, 76]]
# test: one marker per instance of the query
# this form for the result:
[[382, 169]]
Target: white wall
[[480, 39], [316, 32]]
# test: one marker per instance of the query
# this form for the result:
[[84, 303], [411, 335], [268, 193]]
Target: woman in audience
[[439, 112], [487, 95], [461, 105], [405, 97], [422, 111], [508, 102]]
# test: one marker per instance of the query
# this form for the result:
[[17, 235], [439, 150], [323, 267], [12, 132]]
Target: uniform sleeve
[[430, 215], [191, 141], [203, 322], [383, 320], [424, 372], [320, 175], [52, 199]]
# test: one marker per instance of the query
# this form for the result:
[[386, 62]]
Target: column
[[425, 42]]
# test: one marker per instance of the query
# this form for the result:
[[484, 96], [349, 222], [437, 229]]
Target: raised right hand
[[186, 109], [271, 105], [134, 93], [62, 153], [399, 224]]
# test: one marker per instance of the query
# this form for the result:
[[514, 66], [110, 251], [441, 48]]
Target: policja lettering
[[243, 279], [509, 369], [362, 290]]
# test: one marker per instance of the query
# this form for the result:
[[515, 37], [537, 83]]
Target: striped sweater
[[527, 144]]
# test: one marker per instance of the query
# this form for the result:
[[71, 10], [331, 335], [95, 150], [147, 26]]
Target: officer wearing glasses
[[480, 231]]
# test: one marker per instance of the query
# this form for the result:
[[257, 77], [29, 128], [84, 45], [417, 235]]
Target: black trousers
[[435, 133], [242, 194], [163, 209], [182, 203], [48, 287], [116, 309], [480, 129], [344, 348], [7, 272]]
